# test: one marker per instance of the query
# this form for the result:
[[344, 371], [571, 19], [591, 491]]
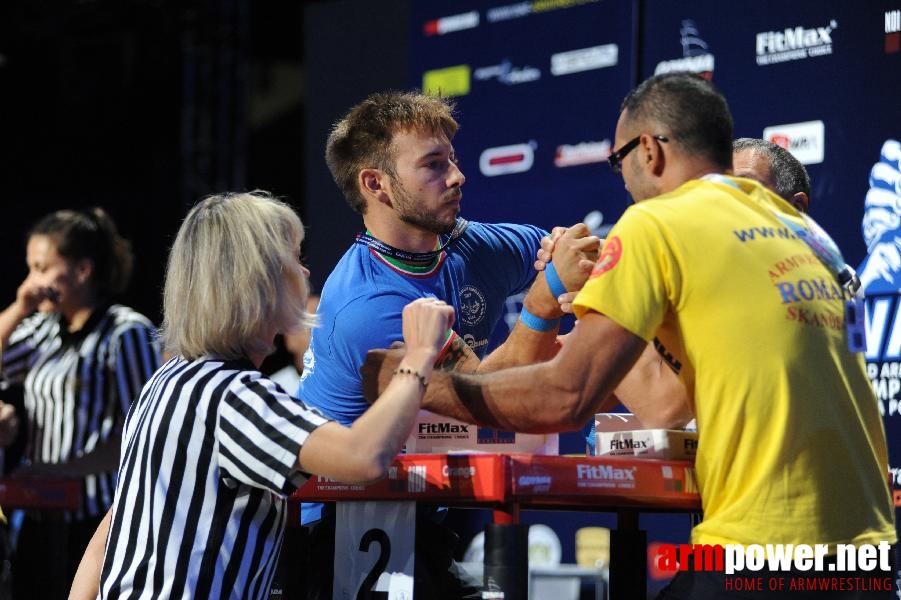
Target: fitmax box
[[620, 434], [436, 434]]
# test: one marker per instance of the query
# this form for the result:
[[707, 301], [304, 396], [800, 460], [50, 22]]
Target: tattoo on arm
[[458, 357]]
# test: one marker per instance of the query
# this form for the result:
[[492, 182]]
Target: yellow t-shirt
[[792, 447]]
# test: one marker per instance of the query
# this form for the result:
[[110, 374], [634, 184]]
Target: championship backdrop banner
[[821, 78], [538, 85]]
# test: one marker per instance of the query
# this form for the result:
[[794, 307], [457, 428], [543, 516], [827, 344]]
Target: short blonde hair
[[233, 277]]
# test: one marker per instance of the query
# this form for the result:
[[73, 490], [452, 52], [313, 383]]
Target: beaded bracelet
[[536, 323], [416, 374]]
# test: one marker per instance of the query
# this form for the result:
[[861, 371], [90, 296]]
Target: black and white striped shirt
[[78, 386], [208, 455]]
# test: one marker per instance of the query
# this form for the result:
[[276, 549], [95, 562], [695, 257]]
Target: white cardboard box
[[620, 434], [436, 434]]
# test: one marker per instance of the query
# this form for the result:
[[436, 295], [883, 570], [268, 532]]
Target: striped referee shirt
[[78, 386], [208, 455]]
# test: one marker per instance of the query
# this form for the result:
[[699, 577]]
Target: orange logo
[[610, 255]]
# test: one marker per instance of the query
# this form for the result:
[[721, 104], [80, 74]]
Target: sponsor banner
[[794, 43], [584, 59], [895, 483], [434, 433], [583, 153], [536, 481], [508, 74], [883, 353], [543, 77], [531, 478], [893, 21], [508, 12], [480, 477], [518, 10], [696, 55], [556, 478], [452, 23], [447, 82], [703, 63], [506, 160], [806, 141]]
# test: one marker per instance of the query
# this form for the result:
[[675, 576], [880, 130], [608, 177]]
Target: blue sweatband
[[553, 280], [537, 323]]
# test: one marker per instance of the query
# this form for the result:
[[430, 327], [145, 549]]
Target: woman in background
[[82, 360]]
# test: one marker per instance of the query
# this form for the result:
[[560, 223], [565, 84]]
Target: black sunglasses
[[615, 160]]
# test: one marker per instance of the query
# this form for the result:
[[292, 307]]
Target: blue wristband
[[537, 323], [553, 280]]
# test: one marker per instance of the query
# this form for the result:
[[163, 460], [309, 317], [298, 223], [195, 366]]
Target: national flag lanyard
[[416, 258]]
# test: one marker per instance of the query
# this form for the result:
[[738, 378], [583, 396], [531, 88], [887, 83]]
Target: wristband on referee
[[553, 280], [537, 323]]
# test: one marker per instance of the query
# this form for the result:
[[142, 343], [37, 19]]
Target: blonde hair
[[233, 277]]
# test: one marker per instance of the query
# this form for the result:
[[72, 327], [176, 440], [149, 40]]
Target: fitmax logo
[[772, 42], [605, 472], [443, 428], [628, 444]]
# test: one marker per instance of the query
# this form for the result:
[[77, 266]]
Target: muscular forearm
[[505, 400], [522, 347], [525, 346], [557, 395], [574, 250], [654, 393]]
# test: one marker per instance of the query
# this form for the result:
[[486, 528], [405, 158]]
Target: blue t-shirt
[[363, 298]]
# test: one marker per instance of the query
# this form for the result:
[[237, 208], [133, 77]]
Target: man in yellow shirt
[[751, 317]]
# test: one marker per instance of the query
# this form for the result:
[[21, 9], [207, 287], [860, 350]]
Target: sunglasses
[[615, 160]]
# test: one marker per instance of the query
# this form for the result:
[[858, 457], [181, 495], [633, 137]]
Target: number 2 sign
[[374, 543]]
